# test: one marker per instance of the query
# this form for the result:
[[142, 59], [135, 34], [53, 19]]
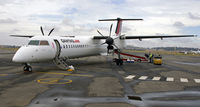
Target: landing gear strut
[[27, 68], [118, 61]]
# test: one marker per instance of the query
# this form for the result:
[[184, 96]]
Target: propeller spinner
[[109, 40]]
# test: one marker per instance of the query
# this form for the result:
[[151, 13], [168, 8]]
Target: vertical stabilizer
[[119, 24]]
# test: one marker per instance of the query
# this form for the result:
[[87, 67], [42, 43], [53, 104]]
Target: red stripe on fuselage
[[76, 41]]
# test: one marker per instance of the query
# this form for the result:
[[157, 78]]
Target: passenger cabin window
[[34, 42], [43, 42]]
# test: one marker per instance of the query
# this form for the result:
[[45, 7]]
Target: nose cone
[[18, 57], [15, 58], [22, 55]]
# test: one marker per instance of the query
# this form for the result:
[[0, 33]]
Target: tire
[[30, 69], [121, 62], [117, 61], [27, 68]]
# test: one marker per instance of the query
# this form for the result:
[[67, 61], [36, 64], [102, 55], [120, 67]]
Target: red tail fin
[[119, 24], [118, 27]]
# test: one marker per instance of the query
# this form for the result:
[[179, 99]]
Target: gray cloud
[[4, 2], [74, 18], [7, 21], [178, 24], [192, 16], [127, 29], [67, 22]]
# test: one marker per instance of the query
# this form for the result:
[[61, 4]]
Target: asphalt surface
[[98, 82]]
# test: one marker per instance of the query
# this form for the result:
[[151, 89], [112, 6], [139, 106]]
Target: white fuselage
[[47, 48]]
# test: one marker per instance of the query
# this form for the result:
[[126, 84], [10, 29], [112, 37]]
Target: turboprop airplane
[[61, 48]]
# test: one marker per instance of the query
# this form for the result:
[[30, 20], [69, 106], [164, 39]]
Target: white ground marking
[[197, 80], [183, 79], [170, 79], [130, 77], [143, 78], [121, 72], [156, 78]]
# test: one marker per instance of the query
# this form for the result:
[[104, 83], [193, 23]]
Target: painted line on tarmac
[[67, 74], [3, 74], [156, 78], [54, 81], [143, 77], [130, 77], [121, 72], [197, 80], [183, 79], [170, 79]]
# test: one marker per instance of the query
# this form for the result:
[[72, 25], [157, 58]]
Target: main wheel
[[27, 69], [117, 61], [120, 62], [30, 69]]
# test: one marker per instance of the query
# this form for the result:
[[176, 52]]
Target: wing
[[100, 37], [145, 37], [25, 36], [148, 37]]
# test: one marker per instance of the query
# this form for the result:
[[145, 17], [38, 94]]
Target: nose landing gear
[[27, 68], [118, 60]]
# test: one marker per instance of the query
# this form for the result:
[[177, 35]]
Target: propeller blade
[[50, 32], [41, 30], [107, 51], [115, 46], [110, 29], [103, 43], [100, 33], [117, 37]]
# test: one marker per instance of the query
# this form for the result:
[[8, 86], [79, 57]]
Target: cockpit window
[[43, 42], [34, 42]]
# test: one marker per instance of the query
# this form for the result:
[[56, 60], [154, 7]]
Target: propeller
[[43, 31], [50, 32], [110, 29], [109, 40]]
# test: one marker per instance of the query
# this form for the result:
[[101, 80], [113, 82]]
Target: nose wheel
[[27, 68], [118, 60]]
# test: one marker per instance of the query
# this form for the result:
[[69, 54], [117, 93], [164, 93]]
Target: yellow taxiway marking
[[54, 81], [81, 75], [3, 74], [59, 80]]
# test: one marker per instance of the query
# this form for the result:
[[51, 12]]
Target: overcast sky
[[80, 17]]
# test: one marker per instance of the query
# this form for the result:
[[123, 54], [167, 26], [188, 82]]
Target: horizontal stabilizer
[[119, 23], [148, 37], [25, 36], [120, 19]]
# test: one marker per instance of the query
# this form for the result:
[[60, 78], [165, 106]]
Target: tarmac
[[99, 82]]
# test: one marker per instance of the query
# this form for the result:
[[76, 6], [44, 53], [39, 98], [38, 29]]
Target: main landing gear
[[27, 68], [118, 60]]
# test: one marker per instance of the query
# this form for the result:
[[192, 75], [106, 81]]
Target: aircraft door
[[58, 48]]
